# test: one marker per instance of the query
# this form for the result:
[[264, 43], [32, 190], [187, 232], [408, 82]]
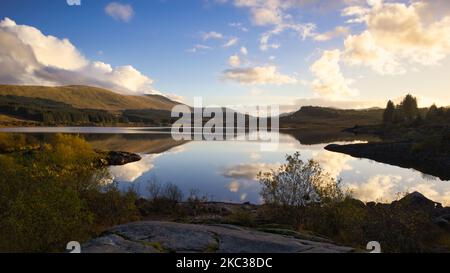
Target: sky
[[346, 54]]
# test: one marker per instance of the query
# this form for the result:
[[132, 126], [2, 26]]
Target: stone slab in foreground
[[156, 237]]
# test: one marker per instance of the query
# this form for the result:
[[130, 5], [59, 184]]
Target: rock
[[445, 217], [443, 223], [121, 158], [153, 236], [115, 244]]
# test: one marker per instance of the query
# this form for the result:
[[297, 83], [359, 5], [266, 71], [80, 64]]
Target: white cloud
[[74, 2], [231, 42], [239, 26], [234, 61], [132, 171], [248, 171], [120, 12], [338, 31], [389, 187], [266, 16], [176, 97], [398, 35], [302, 30], [330, 82], [244, 50], [264, 43], [200, 47], [48, 50], [358, 12], [126, 76], [363, 50], [333, 163], [265, 12], [377, 188], [27, 56], [212, 35], [275, 13], [258, 75], [234, 186]]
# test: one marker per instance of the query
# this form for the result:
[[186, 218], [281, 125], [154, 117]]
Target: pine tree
[[409, 107], [388, 115], [432, 113]]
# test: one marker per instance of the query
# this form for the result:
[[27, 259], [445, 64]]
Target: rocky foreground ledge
[[164, 237]]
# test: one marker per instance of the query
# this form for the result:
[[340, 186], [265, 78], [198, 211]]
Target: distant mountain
[[85, 105], [80, 106], [314, 116], [87, 97]]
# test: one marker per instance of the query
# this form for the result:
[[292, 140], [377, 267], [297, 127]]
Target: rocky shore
[[211, 233], [401, 154], [169, 237]]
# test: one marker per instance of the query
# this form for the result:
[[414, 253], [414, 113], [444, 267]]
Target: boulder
[[417, 201], [114, 158]]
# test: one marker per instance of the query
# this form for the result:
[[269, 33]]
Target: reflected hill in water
[[133, 143], [159, 143], [311, 137]]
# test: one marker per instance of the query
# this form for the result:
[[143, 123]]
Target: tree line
[[407, 111], [53, 113]]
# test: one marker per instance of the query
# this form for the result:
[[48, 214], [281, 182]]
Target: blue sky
[[324, 67]]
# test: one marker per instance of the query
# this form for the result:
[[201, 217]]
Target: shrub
[[294, 186], [41, 207], [342, 221], [301, 195], [163, 199], [14, 142], [169, 191], [56, 194], [242, 217], [111, 207]]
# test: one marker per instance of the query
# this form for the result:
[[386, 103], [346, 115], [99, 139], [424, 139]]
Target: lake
[[226, 170]]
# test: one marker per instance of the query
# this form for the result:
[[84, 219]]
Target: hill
[[87, 97], [322, 117], [80, 106]]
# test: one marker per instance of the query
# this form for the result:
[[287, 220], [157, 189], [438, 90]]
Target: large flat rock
[[154, 237]]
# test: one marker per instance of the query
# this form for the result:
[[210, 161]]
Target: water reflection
[[226, 170]]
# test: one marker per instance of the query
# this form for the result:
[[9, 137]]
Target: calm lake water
[[226, 170]]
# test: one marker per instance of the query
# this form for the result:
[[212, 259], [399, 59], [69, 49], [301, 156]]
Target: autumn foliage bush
[[56, 194]]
